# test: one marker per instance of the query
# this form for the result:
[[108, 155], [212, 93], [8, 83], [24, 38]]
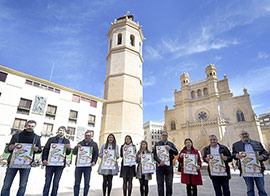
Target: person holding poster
[[189, 178], [108, 166], [27, 136], [128, 154], [250, 146], [164, 152], [215, 154], [54, 158], [142, 159], [87, 154]]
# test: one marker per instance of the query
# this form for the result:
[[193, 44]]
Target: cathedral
[[207, 107]]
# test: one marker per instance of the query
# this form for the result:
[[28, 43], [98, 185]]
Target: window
[[24, 106], [192, 94], [70, 133], [119, 39], [173, 127], [73, 116], [51, 112], [3, 76], [91, 120], [57, 90], [43, 86], [240, 116], [93, 103], [29, 82], [76, 98], [205, 91], [132, 40], [50, 88], [36, 84], [110, 44], [199, 93], [19, 124], [47, 130], [91, 132]]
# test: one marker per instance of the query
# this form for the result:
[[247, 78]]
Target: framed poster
[[129, 155], [108, 159], [190, 164], [148, 164], [217, 165], [250, 164], [163, 154], [22, 155], [84, 156], [57, 154]]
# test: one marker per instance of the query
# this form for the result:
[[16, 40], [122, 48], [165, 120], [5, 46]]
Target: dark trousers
[[10, 175], [86, 171], [221, 181], [50, 171], [164, 173]]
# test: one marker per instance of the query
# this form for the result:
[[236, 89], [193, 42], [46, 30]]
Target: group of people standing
[[164, 169]]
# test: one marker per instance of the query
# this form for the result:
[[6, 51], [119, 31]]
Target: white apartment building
[[152, 132], [25, 97]]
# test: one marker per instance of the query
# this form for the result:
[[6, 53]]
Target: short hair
[[212, 136], [31, 121], [88, 131], [164, 132], [62, 127], [244, 131]]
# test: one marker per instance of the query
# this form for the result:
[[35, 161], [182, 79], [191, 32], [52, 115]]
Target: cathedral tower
[[123, 110]]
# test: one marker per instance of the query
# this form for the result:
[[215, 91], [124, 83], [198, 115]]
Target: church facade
[[208, 107]]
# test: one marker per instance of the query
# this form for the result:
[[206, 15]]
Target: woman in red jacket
[[189, 179]]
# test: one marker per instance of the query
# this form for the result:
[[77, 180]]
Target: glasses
[[164, 135]]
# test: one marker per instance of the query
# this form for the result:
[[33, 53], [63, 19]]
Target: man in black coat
[[165, 172], [218, 181], [85, 170], [54, 170], [248, 145], [26, 136]]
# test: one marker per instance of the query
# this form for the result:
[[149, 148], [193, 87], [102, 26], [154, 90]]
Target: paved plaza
[[37, 179]]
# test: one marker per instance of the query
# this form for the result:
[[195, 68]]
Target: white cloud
[[149, 81], [217, 58], [256, 81], [262, 55], [152, 53], [256, 106], [162, 100], [180, 68]]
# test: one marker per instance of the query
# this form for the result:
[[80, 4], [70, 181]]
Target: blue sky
[[181, 36]]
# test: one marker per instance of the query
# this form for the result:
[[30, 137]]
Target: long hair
[[143, 141], [113, 143], [129, 138], [188, 139]]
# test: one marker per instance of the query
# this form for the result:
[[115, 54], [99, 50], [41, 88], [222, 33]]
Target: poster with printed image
[[217, 165], [22, 155], [84, 156], [163, 154], [250, 164], [148, 164], [57, 154], [190, 164], [129, 155], [108, 159]]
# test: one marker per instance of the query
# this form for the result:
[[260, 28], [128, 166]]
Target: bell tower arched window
[[132, 40], [205, 91], [192, 94], [119, 39], [240, 116], [173, 127], [199, 93]]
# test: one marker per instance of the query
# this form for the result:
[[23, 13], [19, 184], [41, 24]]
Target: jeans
[[10, 175], [259, 183], [164, 173], [86, 171], [50, 170], [221, 181]]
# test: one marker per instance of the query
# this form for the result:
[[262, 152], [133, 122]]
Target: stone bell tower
[[123, 110]]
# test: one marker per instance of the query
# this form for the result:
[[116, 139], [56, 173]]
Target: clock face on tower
[[202, 116]]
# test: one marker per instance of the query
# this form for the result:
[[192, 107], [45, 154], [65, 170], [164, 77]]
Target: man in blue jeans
[[248, 145], [54, 170], [26, 136], [85, 170]]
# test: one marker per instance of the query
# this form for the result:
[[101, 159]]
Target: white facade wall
[[15, 88], [152, 132]]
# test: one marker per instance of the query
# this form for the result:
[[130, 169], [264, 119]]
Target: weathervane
[[128, 12]]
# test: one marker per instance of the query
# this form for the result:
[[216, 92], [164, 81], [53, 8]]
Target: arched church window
[[205, 91], [192, 94], [173, 126], [119, 39], [240, 116], [110, 44], [132, 40], [199, 93]]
